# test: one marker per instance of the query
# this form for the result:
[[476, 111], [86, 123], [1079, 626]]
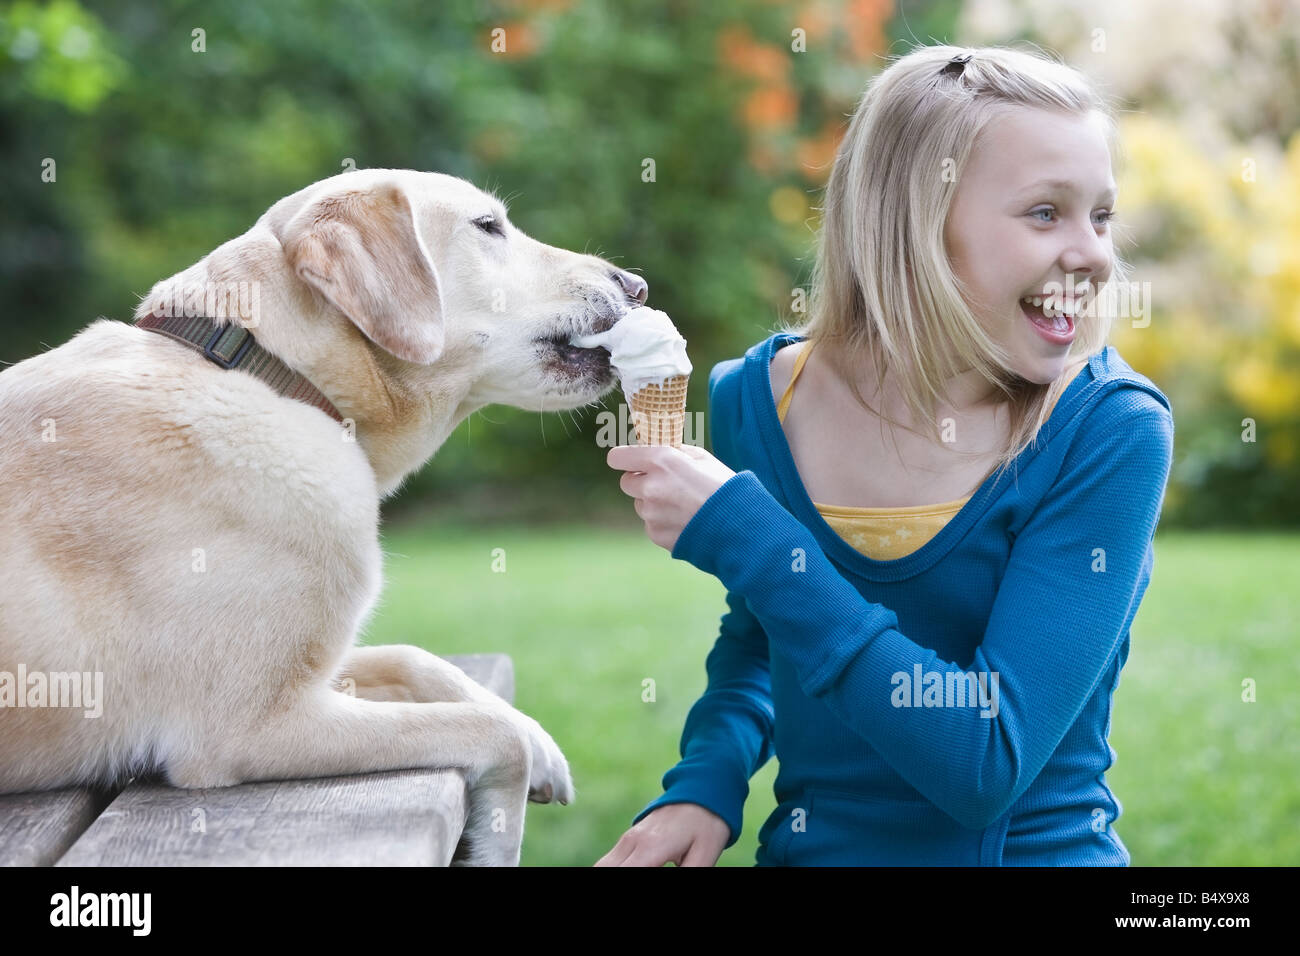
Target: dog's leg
[[408, 673], [324, 733], [403, 672]]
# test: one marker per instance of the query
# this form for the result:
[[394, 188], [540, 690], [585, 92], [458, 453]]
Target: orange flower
[[816, 154], [866, 25], [520, 40], [553, 5], [738, 49], [771, 107], [815, 18]]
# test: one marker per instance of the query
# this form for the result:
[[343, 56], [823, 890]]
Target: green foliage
[[173, 126], [186, 148], [58, 53]]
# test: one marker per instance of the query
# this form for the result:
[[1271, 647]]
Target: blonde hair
[[882, 284]]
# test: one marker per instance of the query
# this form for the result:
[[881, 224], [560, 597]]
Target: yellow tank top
[[883, 534]]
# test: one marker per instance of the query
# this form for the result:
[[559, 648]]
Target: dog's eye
[[490, 225]]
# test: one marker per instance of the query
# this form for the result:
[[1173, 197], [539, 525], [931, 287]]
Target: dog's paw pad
[[542, 794]]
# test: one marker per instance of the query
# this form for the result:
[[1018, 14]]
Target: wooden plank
[[397, 818], [36, 828]]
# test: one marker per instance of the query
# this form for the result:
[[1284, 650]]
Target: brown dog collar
[[233, 346]]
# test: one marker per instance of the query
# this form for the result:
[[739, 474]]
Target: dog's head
[[410, 300], [429, 268]]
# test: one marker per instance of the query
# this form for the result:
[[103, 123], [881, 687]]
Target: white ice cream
[[644, 349]]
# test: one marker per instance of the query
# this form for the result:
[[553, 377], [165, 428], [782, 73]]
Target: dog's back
[[150, 504], [58, 562]]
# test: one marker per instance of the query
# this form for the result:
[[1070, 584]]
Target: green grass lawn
[[589, 614]]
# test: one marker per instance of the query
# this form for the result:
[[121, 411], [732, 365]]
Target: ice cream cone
[[659, 412]]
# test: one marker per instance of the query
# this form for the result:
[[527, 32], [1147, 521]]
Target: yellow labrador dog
[[206, 544]]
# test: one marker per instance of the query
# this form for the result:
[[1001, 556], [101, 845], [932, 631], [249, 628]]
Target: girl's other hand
[[670, 483], [685, 833]]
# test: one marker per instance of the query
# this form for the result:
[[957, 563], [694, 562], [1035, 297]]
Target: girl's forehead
[[1027, 148], [1038, 123]]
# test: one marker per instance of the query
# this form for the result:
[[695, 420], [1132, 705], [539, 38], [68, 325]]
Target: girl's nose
[[1090, 256]]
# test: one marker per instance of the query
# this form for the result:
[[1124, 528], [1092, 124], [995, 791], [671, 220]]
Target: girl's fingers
[[631, 483], [699, 855], [620, 852], [633, 457]]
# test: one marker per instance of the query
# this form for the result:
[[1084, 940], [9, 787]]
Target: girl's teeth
[[1052, 311], [1058, 320]]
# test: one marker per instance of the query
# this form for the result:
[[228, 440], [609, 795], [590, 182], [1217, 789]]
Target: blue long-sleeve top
[[949, 707]]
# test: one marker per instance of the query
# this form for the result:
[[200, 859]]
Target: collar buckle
[[209, 349]]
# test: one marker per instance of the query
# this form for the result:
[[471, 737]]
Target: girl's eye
[[1104, 217]]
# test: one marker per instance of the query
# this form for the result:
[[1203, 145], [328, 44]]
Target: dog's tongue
[[644, 348]]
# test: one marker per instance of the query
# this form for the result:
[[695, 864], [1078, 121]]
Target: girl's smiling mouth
[[1057, 327]]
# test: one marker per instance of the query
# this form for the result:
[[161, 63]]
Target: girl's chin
[[1042, 371]]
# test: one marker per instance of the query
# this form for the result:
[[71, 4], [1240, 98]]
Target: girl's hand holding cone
[[670, 484]]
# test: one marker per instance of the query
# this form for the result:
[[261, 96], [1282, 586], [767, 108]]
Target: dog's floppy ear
[[362, 251]]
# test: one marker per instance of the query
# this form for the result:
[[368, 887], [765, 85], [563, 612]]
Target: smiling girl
[[932, 505]]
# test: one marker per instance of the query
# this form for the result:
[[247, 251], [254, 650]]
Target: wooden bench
[[397, 818]]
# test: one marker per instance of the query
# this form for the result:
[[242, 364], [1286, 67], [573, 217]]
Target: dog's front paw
[[550, 781]]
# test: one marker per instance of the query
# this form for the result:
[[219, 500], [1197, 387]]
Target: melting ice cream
[[644, 349]]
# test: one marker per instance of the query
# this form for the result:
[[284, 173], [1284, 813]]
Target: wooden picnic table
[[395, 818]]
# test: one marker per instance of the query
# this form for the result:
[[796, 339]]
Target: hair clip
[[956, 65]]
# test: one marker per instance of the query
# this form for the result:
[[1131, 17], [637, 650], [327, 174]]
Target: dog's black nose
[[635, 287]]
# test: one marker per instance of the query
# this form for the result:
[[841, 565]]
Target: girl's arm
[[728, 733], [1055, 626]]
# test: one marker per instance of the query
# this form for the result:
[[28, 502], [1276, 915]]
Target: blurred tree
[[173, 126]]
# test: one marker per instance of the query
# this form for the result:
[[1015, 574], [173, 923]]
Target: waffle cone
[[659, 412]]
